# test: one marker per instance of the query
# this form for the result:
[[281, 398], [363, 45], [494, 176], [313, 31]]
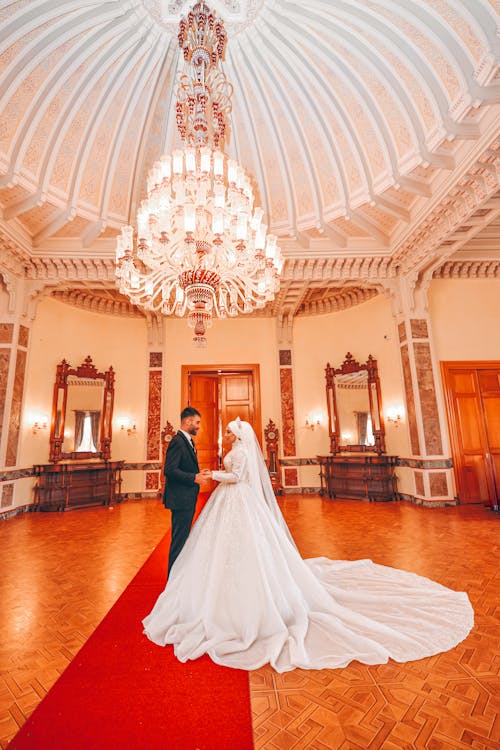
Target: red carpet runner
[[121, 692]]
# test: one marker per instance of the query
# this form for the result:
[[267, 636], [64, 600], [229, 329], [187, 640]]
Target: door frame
[[226, 370], [446, 366]]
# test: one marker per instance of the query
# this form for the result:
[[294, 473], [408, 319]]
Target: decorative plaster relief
[[428, 401], [468, 269], [154, 415], [410, 401]]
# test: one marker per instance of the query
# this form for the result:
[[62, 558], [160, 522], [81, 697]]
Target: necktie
[[193, 446]]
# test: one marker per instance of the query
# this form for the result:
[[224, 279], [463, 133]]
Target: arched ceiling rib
[[344, 114]]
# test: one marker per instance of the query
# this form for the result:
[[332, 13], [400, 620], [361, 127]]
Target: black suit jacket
[[181, 467]]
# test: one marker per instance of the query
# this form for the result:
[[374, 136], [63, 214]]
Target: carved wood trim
[[60, 398], [351, 365], [271, 437]]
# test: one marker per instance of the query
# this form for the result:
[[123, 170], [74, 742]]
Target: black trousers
[[181, 526]]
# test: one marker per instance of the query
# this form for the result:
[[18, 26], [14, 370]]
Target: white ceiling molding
[[369, 127]]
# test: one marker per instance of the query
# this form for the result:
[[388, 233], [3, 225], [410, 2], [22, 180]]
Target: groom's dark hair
[[189, 411]]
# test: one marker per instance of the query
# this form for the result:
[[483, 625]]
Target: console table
[[358, 476], [78, 484]]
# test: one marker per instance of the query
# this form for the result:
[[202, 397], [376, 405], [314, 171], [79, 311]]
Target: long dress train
[[240, 592]]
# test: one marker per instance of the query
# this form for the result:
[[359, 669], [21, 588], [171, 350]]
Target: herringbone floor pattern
[[62, 572], [447, 702]]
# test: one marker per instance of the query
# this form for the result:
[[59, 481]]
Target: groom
[[183, 479]]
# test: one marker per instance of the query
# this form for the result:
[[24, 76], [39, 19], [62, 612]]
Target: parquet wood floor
[[447, 702], [62, 572]]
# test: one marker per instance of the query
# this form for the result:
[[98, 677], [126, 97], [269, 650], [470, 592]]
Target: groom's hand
[[203, 476]]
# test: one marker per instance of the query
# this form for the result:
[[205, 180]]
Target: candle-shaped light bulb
[[190, 160], [205, 159], [260, 237], [241, 225], [218, 163], [189, 217], [177, 162], [232, 171], [218, 221]]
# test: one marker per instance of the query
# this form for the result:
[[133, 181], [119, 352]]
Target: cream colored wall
[[230, 342], [465, 317], [362, 330], [465, 321], [60, 331]]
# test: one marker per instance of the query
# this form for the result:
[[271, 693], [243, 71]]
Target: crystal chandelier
[[202, 248]]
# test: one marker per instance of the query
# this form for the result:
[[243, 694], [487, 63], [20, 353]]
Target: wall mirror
[[82, 412], [355, 421]]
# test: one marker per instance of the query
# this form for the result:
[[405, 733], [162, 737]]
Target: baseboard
[[154, 495], [16, 511], [301, 490], [427, 503]]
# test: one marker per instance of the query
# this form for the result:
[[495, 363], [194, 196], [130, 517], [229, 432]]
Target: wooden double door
[[473, 400], [220, 393]]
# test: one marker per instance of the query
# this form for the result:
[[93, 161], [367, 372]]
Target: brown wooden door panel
[[464, 382], [237, 398], [492, 416], [220, 397], [473, 400], [489, 383], [469, 423], [474, 475], [204, 397], [237, 387]]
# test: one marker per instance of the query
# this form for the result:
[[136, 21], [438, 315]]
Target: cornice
[[469, 269], [92, 301], [72, 269], [468, 195], [325, 269]]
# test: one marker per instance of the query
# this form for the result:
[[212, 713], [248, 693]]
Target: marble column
[[155, 391], [290, 478], [431, 480], [14, 341]]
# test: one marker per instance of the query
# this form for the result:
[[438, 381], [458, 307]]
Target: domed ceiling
[[350, 115]]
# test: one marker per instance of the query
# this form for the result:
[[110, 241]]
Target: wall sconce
[[125, 427], [39, 423], [393, 416], [312, 421], [346, 437]]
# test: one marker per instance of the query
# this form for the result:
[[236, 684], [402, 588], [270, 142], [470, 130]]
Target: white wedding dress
[[240, 592]]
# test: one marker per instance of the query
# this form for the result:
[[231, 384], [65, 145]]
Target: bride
[[241, 593]]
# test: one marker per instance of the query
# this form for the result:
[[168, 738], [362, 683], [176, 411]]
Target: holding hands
[[203, 476]]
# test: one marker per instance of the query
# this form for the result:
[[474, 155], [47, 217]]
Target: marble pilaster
[[431, 482], [290, 478]]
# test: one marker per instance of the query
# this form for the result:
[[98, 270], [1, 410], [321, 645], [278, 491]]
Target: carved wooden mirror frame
[[350, 365], [86, 370]]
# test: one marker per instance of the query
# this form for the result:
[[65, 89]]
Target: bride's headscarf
[[260, 481]]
